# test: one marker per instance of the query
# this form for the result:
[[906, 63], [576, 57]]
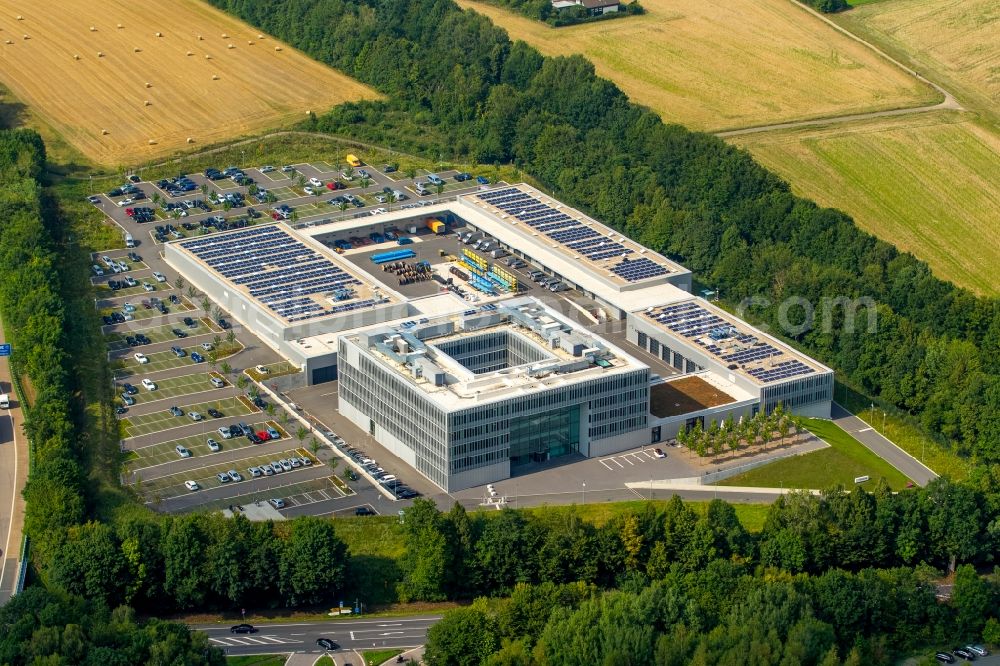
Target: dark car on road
[[243, 629], [363, 511], [327, 644]]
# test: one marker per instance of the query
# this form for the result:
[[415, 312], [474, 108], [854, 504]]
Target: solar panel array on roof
[[693, 321], [277, 270], [577, 237]]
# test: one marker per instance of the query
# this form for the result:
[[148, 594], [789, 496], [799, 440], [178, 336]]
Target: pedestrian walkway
[[915, 470], [302, 659]]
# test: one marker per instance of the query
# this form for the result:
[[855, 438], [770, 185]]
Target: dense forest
[[456, 85], [542, 10]]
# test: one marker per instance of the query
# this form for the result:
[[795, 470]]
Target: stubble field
[[207, 76], [925, 183], [957, 40], [724, 64]]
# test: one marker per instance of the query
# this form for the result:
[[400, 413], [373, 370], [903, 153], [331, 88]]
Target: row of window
[[615, 427]]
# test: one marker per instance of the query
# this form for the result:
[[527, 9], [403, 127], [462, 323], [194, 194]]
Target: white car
[[308, 190], [148, 287], [213, 445], [379, 211], [195, 416], [125, 202], [149, 384], [182, 451], [160, 277], [316, 182], [266, 169], [225, 433], [141, 358], [191, 485], [262, 369], [207, 346]]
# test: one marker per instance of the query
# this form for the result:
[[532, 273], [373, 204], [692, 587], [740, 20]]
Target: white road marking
[[606, 465], [865, 429]]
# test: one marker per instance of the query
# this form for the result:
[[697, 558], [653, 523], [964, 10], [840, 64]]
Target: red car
[[263, 435]]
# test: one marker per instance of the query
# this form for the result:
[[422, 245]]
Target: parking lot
[[196, 204]]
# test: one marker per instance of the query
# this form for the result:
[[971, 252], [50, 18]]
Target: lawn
[[164, 420], [144, 83], [925, 183], [257, 660], [844, 460], [751, 515], [718, 65], [377, 657]]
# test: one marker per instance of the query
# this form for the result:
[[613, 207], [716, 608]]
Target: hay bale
[[10, 41], [104, 132], [231, 46], [215, 77], [277, 48], [208, 57], [250, 42], [76, 57], [152, 142], [93, 28], [100, 54], [190, 53], [148, 84], [26, 37], [190, 140], [225, 36], [136, 49], [159, 34], [147, 103], [200, 38], [120, 26], [260, 36], [20, 18]]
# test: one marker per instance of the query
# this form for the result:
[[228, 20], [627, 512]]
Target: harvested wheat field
[[727, 64], [126, 81], [955, 41], [926, 183]]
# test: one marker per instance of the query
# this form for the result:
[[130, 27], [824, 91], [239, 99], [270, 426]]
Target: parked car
[[183, 452], [273, 433], [176, 411], [234, 475], [195, 416], [214, 446], [214, 413], [363, 511], [191, 485], [141, 358], [149, 384], [279, 503]]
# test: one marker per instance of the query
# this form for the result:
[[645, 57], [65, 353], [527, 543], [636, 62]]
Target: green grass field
[[926, 184], [378, 657], [257, 660], [164, 420], [845, 460]]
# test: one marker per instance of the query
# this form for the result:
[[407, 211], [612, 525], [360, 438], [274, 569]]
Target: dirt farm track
[[125, 81]]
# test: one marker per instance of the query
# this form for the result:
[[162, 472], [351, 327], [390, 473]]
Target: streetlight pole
[[584, 492]]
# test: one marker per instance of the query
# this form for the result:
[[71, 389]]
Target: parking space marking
[[633, 458]]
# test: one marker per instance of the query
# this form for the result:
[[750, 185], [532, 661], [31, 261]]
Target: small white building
[[593, 7]]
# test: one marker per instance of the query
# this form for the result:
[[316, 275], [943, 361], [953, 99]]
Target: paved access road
[[915, 470], [13, 475], [359, 634]]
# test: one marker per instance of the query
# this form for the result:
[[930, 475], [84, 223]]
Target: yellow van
[[353, 160]]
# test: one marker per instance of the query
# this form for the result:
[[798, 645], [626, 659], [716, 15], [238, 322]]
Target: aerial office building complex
[[531, 332]]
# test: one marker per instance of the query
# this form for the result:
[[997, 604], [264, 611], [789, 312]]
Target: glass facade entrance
[[543, 436]]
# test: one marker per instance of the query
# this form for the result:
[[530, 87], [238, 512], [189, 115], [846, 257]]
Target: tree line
[[722, 614], [457, 555], [542, 10], [456, 85]]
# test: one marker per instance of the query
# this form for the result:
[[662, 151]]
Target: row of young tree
[[731, 435], [457, 555], [456, 85], [722, 614]]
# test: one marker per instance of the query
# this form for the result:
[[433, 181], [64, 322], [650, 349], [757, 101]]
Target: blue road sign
[[5, 349]]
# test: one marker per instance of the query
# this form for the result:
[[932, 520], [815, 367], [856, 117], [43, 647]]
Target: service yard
[[123, 82]]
